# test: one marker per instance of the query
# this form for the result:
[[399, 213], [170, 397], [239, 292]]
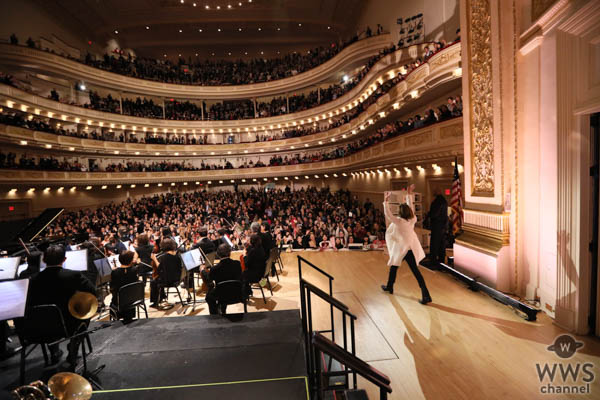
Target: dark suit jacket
[[267, 243], [56, 285], [226, 270], [255, 262]]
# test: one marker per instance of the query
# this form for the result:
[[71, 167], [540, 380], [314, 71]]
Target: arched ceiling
[[154, 28]]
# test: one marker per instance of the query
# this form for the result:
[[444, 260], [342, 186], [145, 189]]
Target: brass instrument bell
[[83, 305], [67, 385]]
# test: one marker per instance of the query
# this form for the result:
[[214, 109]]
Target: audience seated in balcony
[[388, 131]]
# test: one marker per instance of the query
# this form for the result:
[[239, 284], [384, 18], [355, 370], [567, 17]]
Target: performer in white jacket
[[403, 244]]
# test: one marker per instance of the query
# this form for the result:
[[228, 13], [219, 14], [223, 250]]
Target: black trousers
[[211, 300], [438, 242], [412, 263]]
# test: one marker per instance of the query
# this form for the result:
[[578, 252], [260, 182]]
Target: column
[[486, 248], [163, 109], [254, 102], [287, 102], [121, 102]]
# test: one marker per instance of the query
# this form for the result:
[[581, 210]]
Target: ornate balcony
[[442, 140], [440, 69], [52, 64]]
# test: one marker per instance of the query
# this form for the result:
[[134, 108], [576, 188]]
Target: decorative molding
[[480, 97], [451, 131], [487, 220], [493, 208]]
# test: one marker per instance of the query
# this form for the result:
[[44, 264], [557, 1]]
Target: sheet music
[[8, 267], [76, 260], [13, 298], [191, 259], [103, 266]]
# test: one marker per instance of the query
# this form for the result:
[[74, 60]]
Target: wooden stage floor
[[464, 345]]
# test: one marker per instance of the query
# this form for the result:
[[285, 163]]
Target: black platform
[[209, 357]]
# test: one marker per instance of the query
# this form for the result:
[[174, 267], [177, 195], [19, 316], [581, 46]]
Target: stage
[[194, 357]]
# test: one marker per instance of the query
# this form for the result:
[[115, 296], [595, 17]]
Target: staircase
[[332, 369]]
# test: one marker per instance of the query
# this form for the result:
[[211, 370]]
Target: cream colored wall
[[26, 18], [441, 18]]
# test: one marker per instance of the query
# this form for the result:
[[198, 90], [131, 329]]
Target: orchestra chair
[[42, 325], [174, 283], [256, 285], [273, 259], [230, 292], [278, 257], [130, 296]]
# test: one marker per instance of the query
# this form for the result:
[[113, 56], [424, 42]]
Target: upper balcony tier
[[51, 64], [439, 69]]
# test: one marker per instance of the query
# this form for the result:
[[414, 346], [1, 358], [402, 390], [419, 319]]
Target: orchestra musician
[[167, 270], [127, 273], [144, 251], [56, 285], [254, 262], [207, 246], [226, 270]]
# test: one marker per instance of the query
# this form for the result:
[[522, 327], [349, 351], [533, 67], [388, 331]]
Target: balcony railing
[[440, 67], [441, 140], [47, 63]]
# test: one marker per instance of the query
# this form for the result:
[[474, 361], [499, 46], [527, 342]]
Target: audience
[[453, 108], [296, 218]]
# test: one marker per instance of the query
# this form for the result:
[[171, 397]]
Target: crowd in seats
[[307, 218], [214, 73], [451, 109]]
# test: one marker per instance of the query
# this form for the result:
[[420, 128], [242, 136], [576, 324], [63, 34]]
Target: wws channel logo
[[565, 377]]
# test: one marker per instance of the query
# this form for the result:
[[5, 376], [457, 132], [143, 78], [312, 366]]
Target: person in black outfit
[[207, 246], [255, 262], [124, 275], [168, 270], [144, 251], [56, 285], [226, 270], [33, 265], [438, 216], [267, 242]]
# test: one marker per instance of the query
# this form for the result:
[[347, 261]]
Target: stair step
[[356, 394]]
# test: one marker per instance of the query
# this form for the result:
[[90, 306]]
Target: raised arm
[[387, 211]]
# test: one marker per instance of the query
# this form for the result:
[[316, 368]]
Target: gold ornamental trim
[[480, 97], [483, 240]]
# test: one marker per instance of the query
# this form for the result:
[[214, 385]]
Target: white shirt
[[400, 237]]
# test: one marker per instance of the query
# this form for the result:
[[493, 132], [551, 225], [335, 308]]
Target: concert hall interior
[[316, 199]]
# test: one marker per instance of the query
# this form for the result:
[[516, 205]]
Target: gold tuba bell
[[61, 386], [83, 305]]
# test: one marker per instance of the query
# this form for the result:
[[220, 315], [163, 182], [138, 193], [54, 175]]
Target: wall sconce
[[414, 94], [421, 169]]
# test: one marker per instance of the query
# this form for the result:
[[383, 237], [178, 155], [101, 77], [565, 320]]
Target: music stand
[[13, 299], [8, 268], [76, 260], [192, 259]]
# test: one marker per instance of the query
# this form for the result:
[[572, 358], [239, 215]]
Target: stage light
[[157, 153], [306, 176], [172, 183], [317, 176], [119, 186], [344, 174], [88, 188], [147, 27], [137, 153], [176, 153], [209, 182], [9, 104], [197, 183], [104, 187], [116, 151], [254, 180], [218, 29], [265, 179], [414, 94], [296, 178], [421, 169], [116, 32], [274, 178], [305, 144], [458, 72], [320, 142], [333, 139], [262, 150], [185, 183], [326, 176], [60, 189], [48, 146], [286, 178], [328, 27], [299, 24], [382, 114], [229, 152], [207, 7], [12, 191], [50, 114], [23, 142], [277, 148], [212, 153]]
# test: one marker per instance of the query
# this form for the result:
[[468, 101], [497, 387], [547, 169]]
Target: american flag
[[456, 201]]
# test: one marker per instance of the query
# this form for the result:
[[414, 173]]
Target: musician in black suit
[[168, 270], [267, 242], [144, 251], [56, 285], [226, 270], [255, 262], [207, 246]]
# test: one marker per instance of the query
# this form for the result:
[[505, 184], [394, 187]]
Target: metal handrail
[[321, 344]]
